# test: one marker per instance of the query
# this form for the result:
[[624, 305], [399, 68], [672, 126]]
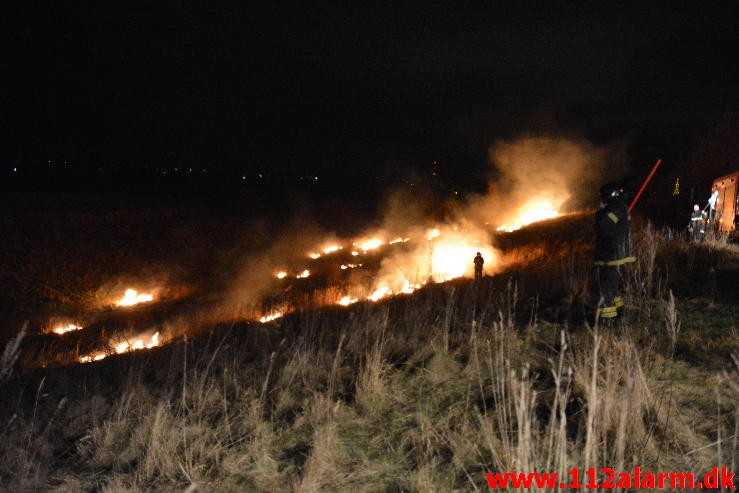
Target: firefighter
[[612, 247], [479, 261], [697, 223]]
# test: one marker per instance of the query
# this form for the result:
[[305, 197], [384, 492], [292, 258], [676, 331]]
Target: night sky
[[352, 89]]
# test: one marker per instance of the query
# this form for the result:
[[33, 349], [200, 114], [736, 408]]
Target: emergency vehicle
[[727, 204]]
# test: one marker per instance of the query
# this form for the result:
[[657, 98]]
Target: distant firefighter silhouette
[[612, 247], [479, 261]]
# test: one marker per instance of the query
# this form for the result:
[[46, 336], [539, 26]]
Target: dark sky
[[234, 85]]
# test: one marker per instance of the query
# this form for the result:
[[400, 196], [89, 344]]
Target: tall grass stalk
[[11, 353], [672, 322]]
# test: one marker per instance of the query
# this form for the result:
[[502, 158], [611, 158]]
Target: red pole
[[644, 185]]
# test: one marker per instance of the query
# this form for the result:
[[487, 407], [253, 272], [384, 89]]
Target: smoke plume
[[542, 174]]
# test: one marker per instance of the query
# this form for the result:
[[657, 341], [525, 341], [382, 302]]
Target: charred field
[[424, 390]]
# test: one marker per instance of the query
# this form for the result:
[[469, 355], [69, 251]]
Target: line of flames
[[130, 297], [529, 214], [123, 347], [63, 329]]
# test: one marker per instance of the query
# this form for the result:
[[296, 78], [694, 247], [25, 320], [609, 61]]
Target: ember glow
[[281, 275], [123, 347], [350, 266], [133, 297], [331, 249], [304, 274], [64, 329]]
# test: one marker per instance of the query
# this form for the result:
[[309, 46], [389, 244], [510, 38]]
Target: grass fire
[[123, 347], [283, 247], [329, 360], [132, 297]]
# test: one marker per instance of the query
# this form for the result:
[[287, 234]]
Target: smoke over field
[[541, 177], [261, 270]]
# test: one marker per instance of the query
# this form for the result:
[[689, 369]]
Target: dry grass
[[11, 353], [422, 393]]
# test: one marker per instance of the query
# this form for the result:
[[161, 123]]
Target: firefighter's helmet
[[611, 192]]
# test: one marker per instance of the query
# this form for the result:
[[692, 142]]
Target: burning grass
[[132, 297], [534, 210], [63, 329], [271, 316], [424, 392], [123, 346], [401, 265]]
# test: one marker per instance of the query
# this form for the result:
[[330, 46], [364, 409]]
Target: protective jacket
[[613, 243], [697, 218]]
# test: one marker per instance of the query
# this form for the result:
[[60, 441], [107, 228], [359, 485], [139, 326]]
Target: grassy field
[[425, 392]]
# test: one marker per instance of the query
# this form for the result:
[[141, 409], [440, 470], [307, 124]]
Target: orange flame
[[399, 240], [446, 254], [132, 297], [271, 316], [92, 357], [409, 288], [537, 209], [368, 244], [123, 347], [331, 249], [69, 328], [379, 293], [327, 249]]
